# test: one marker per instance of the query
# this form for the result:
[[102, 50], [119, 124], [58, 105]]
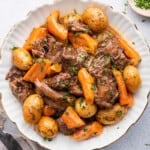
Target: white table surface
[[138, 136]]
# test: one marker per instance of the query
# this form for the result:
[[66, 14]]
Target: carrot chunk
[[71, 118], [88, 131]]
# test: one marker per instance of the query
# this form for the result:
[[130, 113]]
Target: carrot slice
[[48, 111], [123, 95], [53, 69], [54, 27], [37, 71], [87, 82], [36, 34], [130, 99], [88, 131], [83, 40], [71, 118]]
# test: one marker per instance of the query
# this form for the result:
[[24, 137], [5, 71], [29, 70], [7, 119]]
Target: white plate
[[17, 36], [143, 12]]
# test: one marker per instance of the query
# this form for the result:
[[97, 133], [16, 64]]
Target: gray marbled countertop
[[138, 136]]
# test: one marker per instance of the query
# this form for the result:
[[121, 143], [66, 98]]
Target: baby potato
[[47, 127], [21, 58], [32, 108], [132, 78], [112, 115], [95, 18], [85, 110]]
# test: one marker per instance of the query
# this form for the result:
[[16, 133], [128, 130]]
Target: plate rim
[[49, 4]]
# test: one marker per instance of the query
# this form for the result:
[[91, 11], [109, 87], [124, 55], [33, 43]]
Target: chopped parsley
[[81, 101], [73, 70], [76, 33], [143, 20], [75, 11], [119, 113], [93, 86], [111, 93], [147, 144], [144, 4], [13, 48]]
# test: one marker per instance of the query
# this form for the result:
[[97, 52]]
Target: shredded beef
[[48, 47], [21, 89], [59, 82], [111, 47]]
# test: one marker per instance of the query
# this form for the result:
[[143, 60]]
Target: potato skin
[[111, 116], [95, 18], [47, 127], [32, 108], [21, 58], [132, 78], [85, 110]]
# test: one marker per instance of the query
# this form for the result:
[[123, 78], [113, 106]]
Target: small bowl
[[143, 12]]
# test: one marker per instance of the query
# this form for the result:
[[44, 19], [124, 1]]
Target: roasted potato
[[132, 78], [85, 110], [21, 58], [32, 108], [95, 18], [112, 115], [47, 127]]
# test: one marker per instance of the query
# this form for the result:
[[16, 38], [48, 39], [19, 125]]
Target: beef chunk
[[14, 73], [21, 89], [63, 128], [97, 65], [111, 48], [107, 93], [59, 106], [75, 88], [42, 46], [79, 27], [47, 91], [73, 59], [54, 95], [47, 47], [59, 82]]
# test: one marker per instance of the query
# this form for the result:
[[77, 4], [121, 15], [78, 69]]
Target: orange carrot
[[53, 69], [48, 111], [123, 95], [83, 40], [36, 34], [128, 50], [88, 131], [71, 118], [37, 71], [87, 83], [55, 28], [130, 99]]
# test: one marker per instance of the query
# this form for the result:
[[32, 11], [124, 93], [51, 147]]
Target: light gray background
[[138, 136]]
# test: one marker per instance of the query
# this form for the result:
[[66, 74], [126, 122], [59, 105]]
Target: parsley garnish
[[13, 48]]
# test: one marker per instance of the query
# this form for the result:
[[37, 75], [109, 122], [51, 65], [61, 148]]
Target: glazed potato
[[21, 58], [32, 108], [132, 78], [95, 18], [111, 116], [47, 127], [85, 110]]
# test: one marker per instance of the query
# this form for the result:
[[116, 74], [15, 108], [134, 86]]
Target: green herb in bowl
[[144, 4]]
